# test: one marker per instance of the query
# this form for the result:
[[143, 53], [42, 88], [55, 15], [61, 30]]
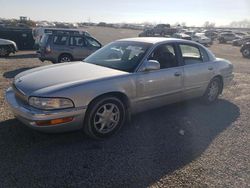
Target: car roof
[[153, 40]]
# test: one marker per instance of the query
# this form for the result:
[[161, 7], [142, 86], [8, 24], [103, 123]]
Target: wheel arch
[[120, 95], [221, 80]]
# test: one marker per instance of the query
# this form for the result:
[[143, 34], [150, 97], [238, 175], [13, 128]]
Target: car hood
[[6, 42], [61, 75]]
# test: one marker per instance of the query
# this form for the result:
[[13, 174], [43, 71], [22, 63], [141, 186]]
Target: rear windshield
[[44, 39]]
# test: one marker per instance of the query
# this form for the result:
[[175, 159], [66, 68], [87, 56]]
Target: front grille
[[20, 96]]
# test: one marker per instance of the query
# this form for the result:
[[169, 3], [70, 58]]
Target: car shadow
[[13, 73], [155, 144], [23, 56]]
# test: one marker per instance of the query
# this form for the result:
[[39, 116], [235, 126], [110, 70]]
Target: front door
[[160, 87]]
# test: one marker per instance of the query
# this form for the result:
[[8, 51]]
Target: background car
[[59, 48], [239, 42], [38, 32], [245, 50], [99, 94], [7, 47], [227, 37], [202, 39], [181, 36]]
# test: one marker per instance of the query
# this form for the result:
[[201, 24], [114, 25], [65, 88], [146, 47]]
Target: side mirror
[[150, 65]]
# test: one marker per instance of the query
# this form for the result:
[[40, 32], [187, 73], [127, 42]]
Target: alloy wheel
[[106, 118], [213, 91]]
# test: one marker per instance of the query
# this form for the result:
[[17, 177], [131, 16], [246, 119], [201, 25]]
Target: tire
[[162, 33], [99, 123], [213, 90], [246, 53], [222, 40], [4, 52], [65, 58]]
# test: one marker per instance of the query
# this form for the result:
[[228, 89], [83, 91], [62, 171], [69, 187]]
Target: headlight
[[50, 103]]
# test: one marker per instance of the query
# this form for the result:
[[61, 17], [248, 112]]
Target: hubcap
[[213, 91], [3, 51], [65, 59], [106, 118], [246, 52]]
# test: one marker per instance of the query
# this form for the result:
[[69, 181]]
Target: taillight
[[48, 49]]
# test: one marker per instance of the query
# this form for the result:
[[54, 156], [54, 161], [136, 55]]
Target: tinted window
[[165, 55], [191, 54], [60, 40], [77, 41]]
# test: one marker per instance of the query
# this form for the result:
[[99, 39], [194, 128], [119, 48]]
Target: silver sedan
[[125, 77]]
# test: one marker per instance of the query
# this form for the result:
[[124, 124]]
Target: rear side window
[[60, 40], [191, 54], [77, 41]]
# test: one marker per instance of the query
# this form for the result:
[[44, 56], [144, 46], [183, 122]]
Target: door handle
[[177, 74], [210, 68]]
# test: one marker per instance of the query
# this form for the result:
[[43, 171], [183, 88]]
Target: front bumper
[[29, 115]]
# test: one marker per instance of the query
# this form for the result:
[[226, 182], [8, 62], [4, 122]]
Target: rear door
[[198, 70]]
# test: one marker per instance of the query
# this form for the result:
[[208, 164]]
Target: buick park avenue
[[127, 76]]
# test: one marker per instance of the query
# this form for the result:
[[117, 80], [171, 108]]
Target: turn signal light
[[54, 121]]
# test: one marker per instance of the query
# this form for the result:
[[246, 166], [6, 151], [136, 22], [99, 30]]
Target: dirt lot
[[181, 145]]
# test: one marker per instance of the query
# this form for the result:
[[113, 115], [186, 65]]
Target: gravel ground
[[180, 145]]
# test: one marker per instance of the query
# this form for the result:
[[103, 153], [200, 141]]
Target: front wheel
[[105, 117], [213, 91], [246, 53], [65, 58]]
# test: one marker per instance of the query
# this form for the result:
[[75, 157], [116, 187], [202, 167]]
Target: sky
[[192, 12]]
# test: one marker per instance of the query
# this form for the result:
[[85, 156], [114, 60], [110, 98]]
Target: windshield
[[124, 56]]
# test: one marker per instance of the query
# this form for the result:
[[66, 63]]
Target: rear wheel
[[222, 40], [105, 117], [213, 91], [4, 52], [163, 33], [246, 53], [65, 58]]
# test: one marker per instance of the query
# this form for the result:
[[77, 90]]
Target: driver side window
[[165, 55]]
